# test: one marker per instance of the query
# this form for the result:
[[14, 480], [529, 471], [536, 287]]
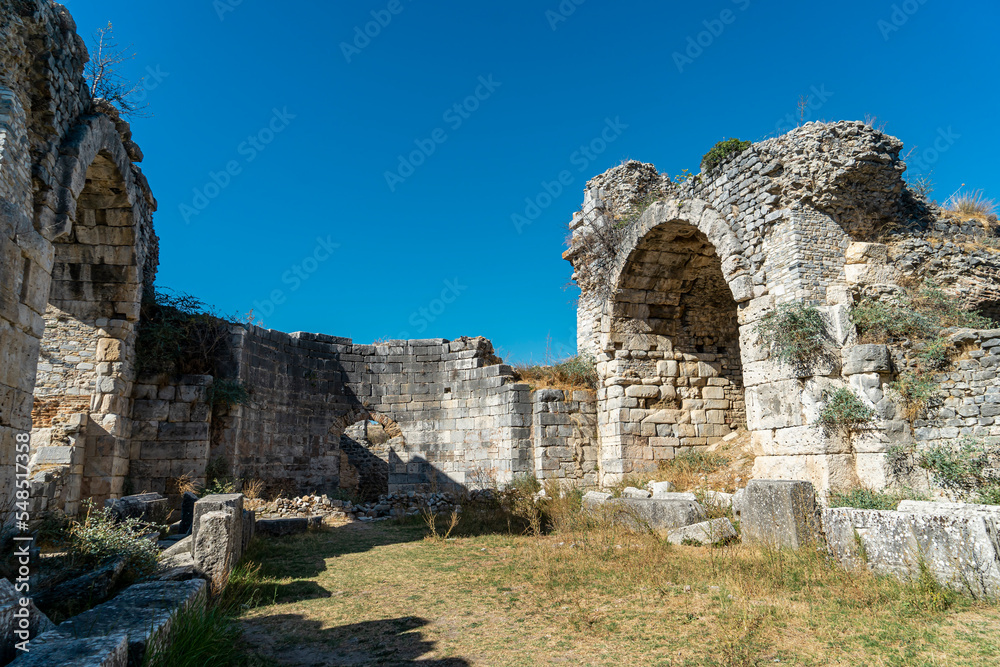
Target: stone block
[[215, 546], [780, 513], [280, 527], [658, 488], [961, 550], [54, 649], [632, 492], [867, 359], [143, 613], [658, 514], [714, 531], [142, 505], [591, 498]]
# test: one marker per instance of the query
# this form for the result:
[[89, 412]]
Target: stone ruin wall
[[76, 248], [785, 221], [668, 313]]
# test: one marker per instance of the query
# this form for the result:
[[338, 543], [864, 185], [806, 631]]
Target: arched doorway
[[670, 343]]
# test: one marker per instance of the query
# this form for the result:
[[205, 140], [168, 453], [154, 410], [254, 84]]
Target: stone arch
[[670, 338], [93, 219]]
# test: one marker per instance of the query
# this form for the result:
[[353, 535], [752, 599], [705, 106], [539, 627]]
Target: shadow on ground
[[294, 641]]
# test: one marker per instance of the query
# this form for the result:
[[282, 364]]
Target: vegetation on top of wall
[[722, 151], [579, 372], [845, 412], [179, 335], [973, 204], [794, 333]]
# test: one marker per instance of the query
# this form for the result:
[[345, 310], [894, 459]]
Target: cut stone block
[[949, 509], [595, 497], [656, 514], [143, 505], [675, 495], [53, 649], [705, 532], [660, 487], [780, 513], [867, 359], [279, 527], [632, 492], [143, 613], [961, 550], [718, 499]]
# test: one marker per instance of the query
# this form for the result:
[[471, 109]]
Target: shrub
[[957, 467], [178, 334], [100, 537], [916, 391], [844, 411], [722, 151], [795, 333], [225, 393], [880, 322]]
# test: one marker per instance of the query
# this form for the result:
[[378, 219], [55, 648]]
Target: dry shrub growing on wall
[[579, 372], [179, 335]]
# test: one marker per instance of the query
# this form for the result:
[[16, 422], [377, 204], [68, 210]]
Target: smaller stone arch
[[364, 459]]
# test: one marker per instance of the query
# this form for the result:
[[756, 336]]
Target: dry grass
[[568, 375], [253, 489], [972, 204], [594, 595]]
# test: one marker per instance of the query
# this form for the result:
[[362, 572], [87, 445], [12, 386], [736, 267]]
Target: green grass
[[866, 499], [594, 595]]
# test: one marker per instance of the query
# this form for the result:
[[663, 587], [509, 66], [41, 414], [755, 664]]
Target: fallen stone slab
[[16, 625], [739, 501], [660, 515], [143, 613], [632, 492], [718, 499], [704, 533], [595, 497], [780, 513], [660, 487], [51, 649], [139, 506], [279, 527], [93, 586], [961, 551]]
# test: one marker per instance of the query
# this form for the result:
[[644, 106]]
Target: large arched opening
[[671, 349], [81, 423]]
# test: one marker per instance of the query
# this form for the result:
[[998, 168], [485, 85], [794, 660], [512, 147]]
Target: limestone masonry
[[674, 278]]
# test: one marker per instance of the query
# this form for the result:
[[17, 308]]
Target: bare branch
[[103, 74]]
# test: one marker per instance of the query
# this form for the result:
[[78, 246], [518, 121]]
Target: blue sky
[[274, 149]]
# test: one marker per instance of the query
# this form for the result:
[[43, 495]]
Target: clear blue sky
[[442, 238]]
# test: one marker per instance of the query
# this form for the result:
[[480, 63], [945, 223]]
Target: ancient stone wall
[[564, 436], [171, 428], [76, 242], [671, 299]]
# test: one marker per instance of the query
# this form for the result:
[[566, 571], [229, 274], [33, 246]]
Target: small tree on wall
[[103, 74]]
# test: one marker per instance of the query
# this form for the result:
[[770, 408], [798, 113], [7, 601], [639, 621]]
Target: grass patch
[[594, 594], [579, 372], [972, 203], [866, 499]]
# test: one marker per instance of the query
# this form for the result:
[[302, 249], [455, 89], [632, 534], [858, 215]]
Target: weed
[[795, 333], [226, 393], [101, 537], [721, 152], [866, 499], [957, 467], [973, 203], [845, 412], [916, 391]]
